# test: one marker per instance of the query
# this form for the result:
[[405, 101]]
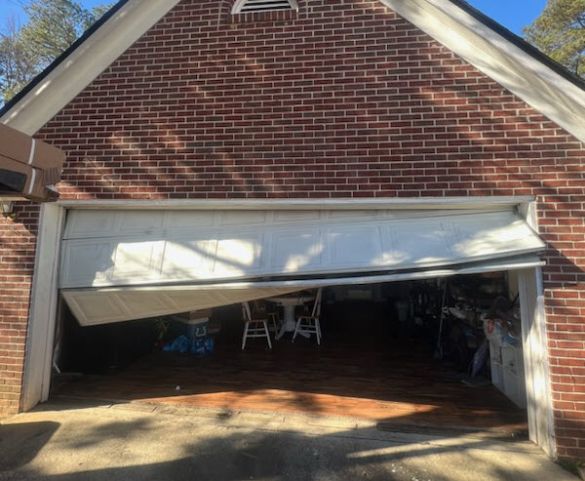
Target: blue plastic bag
[[200, 346], [180, 344]]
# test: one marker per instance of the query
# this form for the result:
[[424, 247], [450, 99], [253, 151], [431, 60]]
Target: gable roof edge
[[451, 23], [520, 42], [87, 59], [541, 87]]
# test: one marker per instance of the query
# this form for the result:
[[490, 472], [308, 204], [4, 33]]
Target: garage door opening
[[431, 354], [123, 266]]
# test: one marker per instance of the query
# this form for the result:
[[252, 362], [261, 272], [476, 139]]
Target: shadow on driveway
[[145, 442]]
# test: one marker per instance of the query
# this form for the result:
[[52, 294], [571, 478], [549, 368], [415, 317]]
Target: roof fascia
[[537, 84], [61, 85]]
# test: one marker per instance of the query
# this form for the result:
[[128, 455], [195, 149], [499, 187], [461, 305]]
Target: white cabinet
[[507, 369]]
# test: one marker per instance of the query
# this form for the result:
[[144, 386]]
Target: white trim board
[[394, 203], [534, 82], [537, 375], [43, 308]]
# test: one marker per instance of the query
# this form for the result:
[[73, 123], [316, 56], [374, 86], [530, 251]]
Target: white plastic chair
[[253, 327], [310, 324]]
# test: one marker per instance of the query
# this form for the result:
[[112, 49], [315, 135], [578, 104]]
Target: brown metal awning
[[29, 168]]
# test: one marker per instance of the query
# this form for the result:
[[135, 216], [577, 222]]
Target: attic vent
[[251, 6]]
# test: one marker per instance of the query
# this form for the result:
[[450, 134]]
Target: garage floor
[[396, 384]]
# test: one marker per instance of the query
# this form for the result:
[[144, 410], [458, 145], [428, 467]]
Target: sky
[[513, 14], [10, 8]]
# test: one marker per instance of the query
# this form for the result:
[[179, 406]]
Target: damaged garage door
[[194, 259]]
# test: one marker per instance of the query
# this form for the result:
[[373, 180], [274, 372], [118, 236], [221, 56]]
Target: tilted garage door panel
[[183, 246], [94, 307], [116, 304]]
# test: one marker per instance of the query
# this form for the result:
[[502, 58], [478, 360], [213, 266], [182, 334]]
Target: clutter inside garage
[[444, 351]]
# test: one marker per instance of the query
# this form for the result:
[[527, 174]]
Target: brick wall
[[342, 99], [17, 256]]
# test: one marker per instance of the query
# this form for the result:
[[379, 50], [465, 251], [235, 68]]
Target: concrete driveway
[[68, 441]]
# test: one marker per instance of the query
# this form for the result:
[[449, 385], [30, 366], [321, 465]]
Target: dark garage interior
[[413, 355]]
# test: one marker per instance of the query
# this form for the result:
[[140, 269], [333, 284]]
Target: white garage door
[[110, 259]]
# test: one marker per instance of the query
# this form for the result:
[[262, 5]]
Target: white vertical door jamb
[[535, 352], [535, 348], [43, 308]]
